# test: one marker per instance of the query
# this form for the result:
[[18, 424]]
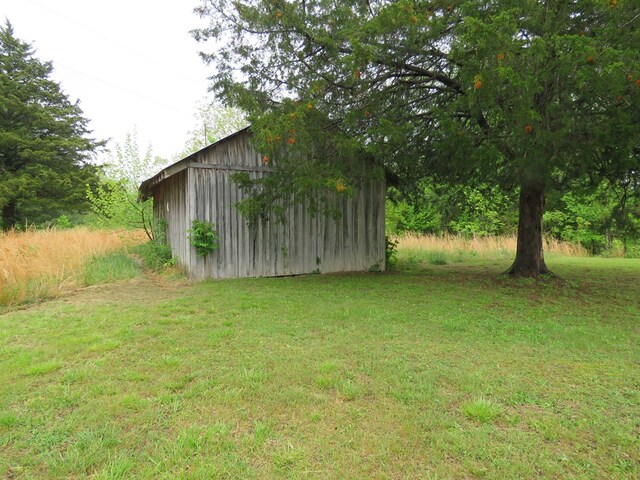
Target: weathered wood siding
[[169, 205], [303, 244]]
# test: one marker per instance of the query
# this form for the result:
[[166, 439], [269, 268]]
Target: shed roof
[[149, 184]]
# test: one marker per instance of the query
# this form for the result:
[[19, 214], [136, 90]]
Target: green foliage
[[63, 222], [115, 200], [213, 122], [118, 207], [155, 254], [478, 210], [203, 236], [390, 249], [402, 216], [422, 211], [308, 161], [513, 93], [110, 267], [44, 143], [583, 220], [483, 210], [492, 63], [605, 220], [599, 219]]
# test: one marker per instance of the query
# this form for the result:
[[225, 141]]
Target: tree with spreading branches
[[530, 95]]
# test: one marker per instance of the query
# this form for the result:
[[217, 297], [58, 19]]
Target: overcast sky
[[131, 63]]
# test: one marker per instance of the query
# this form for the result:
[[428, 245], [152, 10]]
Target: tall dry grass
[[483, 246], [40, 264]]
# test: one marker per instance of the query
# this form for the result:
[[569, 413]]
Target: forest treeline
[[47, 176]]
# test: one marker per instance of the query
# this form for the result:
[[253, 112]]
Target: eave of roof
[[149, 184]]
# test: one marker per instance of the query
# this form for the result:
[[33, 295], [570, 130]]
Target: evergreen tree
[[44, 147], [528, 94]]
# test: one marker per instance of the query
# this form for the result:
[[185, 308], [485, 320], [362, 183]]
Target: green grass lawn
[[430, 371]]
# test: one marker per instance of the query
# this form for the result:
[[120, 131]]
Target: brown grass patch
[[46, 263], [484, 246]]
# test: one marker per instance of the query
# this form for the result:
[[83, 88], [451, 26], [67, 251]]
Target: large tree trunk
[[9, 215], [529, 260]]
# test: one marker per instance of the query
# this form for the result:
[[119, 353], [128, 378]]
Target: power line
[[119, 87], [112, 41]]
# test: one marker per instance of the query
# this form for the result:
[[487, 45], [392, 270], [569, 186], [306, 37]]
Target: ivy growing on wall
[[203, 236]]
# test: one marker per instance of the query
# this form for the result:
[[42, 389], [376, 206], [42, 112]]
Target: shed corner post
[[190, 212]]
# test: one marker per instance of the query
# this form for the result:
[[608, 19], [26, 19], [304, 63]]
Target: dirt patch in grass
[[145, 289], [148, 288]]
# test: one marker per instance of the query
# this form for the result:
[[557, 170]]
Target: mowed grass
[[429, 371]]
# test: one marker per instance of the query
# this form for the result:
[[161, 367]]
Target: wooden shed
[[200, 187]]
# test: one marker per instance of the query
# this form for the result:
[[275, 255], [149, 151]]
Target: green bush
[[633, 250], [203, 236], [479, 210], [63, 222], [155, 255]]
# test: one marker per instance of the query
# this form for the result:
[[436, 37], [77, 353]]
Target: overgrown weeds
[[39, 264], [481, 246], [156, 255], [110, 267]]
